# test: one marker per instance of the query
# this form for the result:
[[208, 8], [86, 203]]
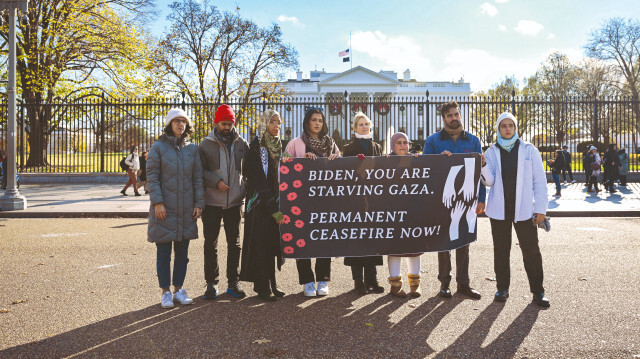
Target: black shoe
[[374, 286], [211, 293], [360, 287], [469, 292], [138, 194], [146, 192], [541, 300], [267, 297], [501, 295], [444, 292], [234, 290], [124, 192], [277, 293]]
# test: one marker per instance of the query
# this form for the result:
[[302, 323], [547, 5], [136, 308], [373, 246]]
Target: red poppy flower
[[284, 170], [301, 243], [288, 250], [361, 156], [298, 167], [299, 224], [297, 183], [292, 196], [287, 237], [296, 210], [284, 186], [286, 219]]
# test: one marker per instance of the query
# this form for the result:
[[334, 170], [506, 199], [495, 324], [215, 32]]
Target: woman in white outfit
[[518, 198]]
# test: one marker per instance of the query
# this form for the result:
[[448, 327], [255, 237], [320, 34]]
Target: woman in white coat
[[518, 197]]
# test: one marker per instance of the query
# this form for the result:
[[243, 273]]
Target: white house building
[[393, 104]]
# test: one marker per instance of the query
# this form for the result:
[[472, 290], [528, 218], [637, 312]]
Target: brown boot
[[414, 284], [396, 287]]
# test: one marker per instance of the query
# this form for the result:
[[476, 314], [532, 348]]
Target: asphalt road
[[87, 288]]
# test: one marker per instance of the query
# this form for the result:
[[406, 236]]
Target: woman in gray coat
[[174, 175]]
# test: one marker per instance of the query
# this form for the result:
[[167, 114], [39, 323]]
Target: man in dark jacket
[[222, 153], [567, 165]]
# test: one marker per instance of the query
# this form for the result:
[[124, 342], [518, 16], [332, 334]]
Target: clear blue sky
[[482, 41]]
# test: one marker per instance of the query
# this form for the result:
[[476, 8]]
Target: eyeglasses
[[314, 108]]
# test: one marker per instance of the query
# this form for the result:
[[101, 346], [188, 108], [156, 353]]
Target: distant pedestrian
[[567, 164], [174, 172], [557, 165], [3, 168], [586, 165], [624, 166], [517, 199], [612, 166], [133, 162], [142, 172], [261, 251], [594, 164]]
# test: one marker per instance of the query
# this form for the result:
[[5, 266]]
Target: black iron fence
[[91, 134]]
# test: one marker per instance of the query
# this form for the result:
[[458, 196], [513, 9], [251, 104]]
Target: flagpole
[[350, 51]]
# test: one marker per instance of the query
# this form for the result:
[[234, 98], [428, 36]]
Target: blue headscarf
[[507, 144]]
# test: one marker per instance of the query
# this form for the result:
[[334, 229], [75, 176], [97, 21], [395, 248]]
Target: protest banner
[[377, 205]]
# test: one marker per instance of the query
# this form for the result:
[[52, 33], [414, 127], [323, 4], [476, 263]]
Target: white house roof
[[359, 75]]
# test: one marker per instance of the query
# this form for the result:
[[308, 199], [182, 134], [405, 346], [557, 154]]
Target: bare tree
[[618, 41], [213, 56]]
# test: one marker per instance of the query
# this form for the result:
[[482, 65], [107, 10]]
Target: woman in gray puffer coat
[[174, 175]]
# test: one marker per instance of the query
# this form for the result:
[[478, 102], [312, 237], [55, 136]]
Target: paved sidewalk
[[105, 200]]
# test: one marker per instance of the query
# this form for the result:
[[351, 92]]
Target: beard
[[454, 125]]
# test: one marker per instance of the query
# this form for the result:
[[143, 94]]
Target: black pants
[[265, 278], [368, 273], [623, 180], [593, 180], [305, 273], [462, 266], [564, 173], [211, 217], [527, 233]]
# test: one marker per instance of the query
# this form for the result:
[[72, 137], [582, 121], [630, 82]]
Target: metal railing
[[91, 134]]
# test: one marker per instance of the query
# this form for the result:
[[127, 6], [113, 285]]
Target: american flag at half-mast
[[344, 53]]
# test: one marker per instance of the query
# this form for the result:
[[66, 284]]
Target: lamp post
[[12, 200]]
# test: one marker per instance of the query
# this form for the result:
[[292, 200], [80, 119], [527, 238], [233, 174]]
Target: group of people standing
[[215, 178], [614, 163]]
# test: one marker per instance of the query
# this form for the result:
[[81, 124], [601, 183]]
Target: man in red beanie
[[222, 154]]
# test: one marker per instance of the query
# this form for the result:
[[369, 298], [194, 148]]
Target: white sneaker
[[167, 300], [182, 297], [573, 181], [310, 289], [323, 288], [565, 182]]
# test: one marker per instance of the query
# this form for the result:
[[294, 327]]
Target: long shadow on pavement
[[294, 326], [469, 344]]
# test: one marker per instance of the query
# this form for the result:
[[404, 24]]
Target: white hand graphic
[[469, 172], [472, 216], [456, 215], [449, 192]]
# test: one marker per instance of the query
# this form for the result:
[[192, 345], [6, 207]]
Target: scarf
[[507, 145], [321, 147], [367, 136], [273, 145]]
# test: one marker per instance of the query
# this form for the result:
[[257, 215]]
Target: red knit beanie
[[225, 113]]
